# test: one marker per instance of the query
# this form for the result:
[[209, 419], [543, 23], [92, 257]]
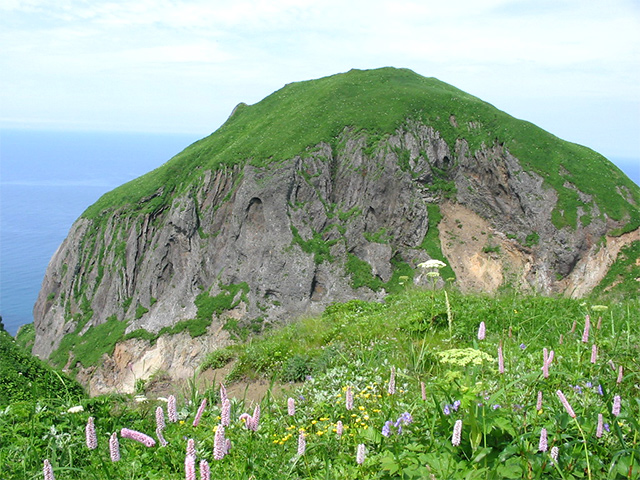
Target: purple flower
[[599, 390], [522, 346], [114, 448], [456, 405], [203, 405], [457, 433], [90, 434], [386, 429], [606, 427], [360, 454], [446, 410], [146, 440], [47, 470]]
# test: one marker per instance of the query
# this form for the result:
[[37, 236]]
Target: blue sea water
[[47, 179]]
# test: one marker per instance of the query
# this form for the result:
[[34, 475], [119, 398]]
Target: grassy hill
[[377, 102], [415, 370], [24, 377]]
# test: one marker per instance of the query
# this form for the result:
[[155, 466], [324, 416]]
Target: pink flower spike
[[573, 327], [190, 467], [539, 402], [585, 332], [160, 424], [302, 444], [114, 447], [47, 470], [620, 374], [423, 391], [161, 439], [219, 444], [600, 427], [90, 434], [146, 440], [482, 331], [360, 454], [565, 403], [291, 407], [392, 381], [561, 339], [542, 444], [203, 405], [594, 353], [225, 414], [339, 428], [205, 470], [223, 392], [500, 359], [457, 433], [256, 417], [172, 412], [191, 448], [615, 409], [554, 454], [349, 398]]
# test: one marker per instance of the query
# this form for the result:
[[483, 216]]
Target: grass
[[405, 424]]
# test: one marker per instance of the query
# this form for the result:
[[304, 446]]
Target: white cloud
[[104, 59]]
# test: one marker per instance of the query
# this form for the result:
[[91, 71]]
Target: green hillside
[[376, 102], [24, 377]]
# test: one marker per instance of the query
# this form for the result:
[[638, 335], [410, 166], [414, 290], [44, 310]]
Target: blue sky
[[570, 66]]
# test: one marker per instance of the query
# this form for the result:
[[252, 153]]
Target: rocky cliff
[[235, 233]]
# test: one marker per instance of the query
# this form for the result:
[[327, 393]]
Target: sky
[[570, 66]]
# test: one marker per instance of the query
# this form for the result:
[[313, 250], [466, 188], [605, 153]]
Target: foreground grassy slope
[[24, 377], [303, 114], [415, 369]]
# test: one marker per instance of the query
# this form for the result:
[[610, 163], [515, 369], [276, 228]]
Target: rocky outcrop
[[339, 222]]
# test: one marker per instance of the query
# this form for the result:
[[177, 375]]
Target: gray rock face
[[294, 235]]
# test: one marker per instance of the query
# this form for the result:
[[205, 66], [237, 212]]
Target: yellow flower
[[361, 408], [319, 432]]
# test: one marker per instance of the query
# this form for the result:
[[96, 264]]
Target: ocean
[[47, 179]]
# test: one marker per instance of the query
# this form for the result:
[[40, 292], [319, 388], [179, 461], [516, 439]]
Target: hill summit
[[324, 191]]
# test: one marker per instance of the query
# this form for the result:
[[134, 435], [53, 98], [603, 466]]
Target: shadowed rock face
[[290, 231]]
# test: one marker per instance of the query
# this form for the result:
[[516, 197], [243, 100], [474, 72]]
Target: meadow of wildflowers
[[521, 387]]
